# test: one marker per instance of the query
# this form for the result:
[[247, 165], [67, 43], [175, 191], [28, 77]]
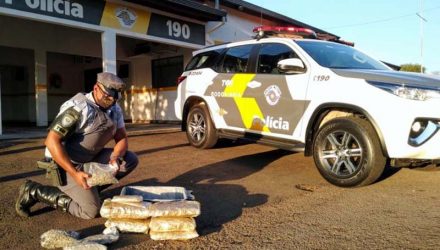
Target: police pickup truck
[[352, 113]]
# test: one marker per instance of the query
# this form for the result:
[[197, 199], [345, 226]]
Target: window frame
[[211, 64], [250, 64], [156, 85], [257, 58]]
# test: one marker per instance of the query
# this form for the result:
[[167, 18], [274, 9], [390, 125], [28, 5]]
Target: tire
[[347, 152], [200, 129]]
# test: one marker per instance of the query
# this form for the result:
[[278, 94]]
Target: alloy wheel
[[197, 127], [341, 154]]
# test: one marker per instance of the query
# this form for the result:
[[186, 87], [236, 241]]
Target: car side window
[[204, 60], [236, 59], [269, 56]]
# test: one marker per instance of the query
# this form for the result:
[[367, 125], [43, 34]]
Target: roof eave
[[184, 8]]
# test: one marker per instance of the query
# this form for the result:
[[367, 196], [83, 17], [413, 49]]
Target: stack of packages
[[174, 220], [128, 213], [166, 220]]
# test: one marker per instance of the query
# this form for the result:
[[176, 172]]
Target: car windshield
[[334, 55]]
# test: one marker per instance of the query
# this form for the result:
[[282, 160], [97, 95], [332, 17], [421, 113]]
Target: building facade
[[52, 49]]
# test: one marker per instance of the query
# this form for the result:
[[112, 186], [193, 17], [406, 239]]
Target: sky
[[388, 30]]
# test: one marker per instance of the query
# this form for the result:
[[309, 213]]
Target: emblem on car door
[[272, 94]]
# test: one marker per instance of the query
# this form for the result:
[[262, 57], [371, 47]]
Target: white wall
[[238, 27], [147, 103], [142, 97]]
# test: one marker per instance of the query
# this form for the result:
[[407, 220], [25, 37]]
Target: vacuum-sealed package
[[108, 236], [111, 209], [59, 238], [129, 225], [101, 174], [176, 235], [169, 224], [159, 193], [70, 239], [127, 198], [175, 209]]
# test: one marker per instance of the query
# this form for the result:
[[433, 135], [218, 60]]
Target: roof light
[[290, 31]]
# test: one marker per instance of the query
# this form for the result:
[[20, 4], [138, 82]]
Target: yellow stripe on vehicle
[[250, 112], [238, 84]]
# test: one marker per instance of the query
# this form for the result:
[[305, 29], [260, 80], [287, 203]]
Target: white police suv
[[351, 112]]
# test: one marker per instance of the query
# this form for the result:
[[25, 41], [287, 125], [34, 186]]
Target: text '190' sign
[[175, 29]]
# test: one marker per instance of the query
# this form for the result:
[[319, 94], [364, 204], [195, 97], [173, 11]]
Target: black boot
[[53, 197], [26, 198], [32, 192]]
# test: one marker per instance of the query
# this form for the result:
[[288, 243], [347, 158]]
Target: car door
[[279, 97], [252, 95], [228, 86]]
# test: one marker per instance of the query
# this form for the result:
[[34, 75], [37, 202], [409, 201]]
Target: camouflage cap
[[112, 83]]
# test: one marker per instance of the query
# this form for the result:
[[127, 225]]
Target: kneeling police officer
[[79, 133]]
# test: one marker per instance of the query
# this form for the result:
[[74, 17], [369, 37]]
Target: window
[[166, 71], [269, 56], [204, 60], [338, 56], [236, 59]]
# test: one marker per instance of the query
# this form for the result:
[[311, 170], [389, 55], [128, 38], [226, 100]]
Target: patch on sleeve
[[60, 130], [64, 124], [68, 120]]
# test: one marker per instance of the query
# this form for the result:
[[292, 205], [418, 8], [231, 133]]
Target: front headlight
[[408, 91]]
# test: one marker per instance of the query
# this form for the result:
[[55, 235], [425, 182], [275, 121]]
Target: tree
[[411, 67]]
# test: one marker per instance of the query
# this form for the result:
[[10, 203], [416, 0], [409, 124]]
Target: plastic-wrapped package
[[106, 208], [101, 174], [58, 238], [159, 193], [175, 209], [129, 225], [86, 246], [109, 236], [167, 224], [127, 198], [69, 239], [111, 209], [133, 204], [176, 235]]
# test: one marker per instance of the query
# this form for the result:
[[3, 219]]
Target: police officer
[[84, 125]]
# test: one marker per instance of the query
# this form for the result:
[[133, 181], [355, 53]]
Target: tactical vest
[[97, 130]]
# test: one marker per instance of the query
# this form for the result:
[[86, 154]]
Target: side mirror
[[291, 66]]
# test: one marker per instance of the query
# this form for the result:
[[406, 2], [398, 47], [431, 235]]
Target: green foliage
[[410, 67]]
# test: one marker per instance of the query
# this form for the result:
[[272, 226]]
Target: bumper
[[406, 139]]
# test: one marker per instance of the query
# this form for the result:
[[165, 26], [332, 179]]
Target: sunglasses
[[106, 94]]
